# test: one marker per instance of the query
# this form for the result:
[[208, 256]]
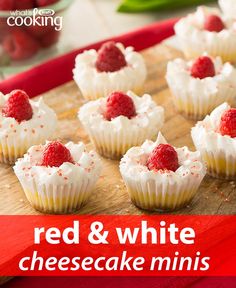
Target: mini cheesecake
[[215, 138], [23, 123], [159, 176], [112, 68], [58, 178], [207, 30], [120, 121], [200, 85]]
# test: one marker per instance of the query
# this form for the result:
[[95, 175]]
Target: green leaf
[[157, 5]]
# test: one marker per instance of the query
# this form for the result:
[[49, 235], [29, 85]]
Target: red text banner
[[112, 245]]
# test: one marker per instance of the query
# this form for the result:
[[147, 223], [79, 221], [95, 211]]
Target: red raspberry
[[49, 39], [213, 23], [18, 106], [43, 3], [203, 67], [24, 4], [119, 104], [55, 154], [4, 29], [228, 123], [110, 58], [20, 45], [39, 31], [46, 35], [7, 5], [163, 157]]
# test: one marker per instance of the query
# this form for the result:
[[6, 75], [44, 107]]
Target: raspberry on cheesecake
[[18, 106], [213, 23], [119, 104], [163, 157], [228, 123], [55, 154], [110, 58], [203, 67]]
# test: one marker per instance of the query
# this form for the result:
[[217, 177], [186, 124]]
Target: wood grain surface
[[110, 195]]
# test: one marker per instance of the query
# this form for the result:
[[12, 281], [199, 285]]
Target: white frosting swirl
[[89, 79], [42, 123], [191, 30], [133, 164], [206, 136], [87, 166], [182, 83], [149, 116]]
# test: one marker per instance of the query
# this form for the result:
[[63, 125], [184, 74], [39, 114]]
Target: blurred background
[[84, 22]]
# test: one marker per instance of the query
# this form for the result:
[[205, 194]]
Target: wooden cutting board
[[110, 195]]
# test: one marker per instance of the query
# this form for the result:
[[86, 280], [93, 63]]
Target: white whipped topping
[[133, 164], [228, 7], [87, 165], [191, 28], [182, 83], [42, 123], [88, 78], [149, 116], [206, 136]]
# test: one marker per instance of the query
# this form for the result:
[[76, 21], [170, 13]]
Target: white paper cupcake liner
[[217, 151], [93, 92], [225, 48], [197, 108], [12, 148], [220, 164], [57, 199], [114, 145], [154, 195]]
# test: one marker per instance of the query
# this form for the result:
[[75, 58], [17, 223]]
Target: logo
[[35, 17]]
